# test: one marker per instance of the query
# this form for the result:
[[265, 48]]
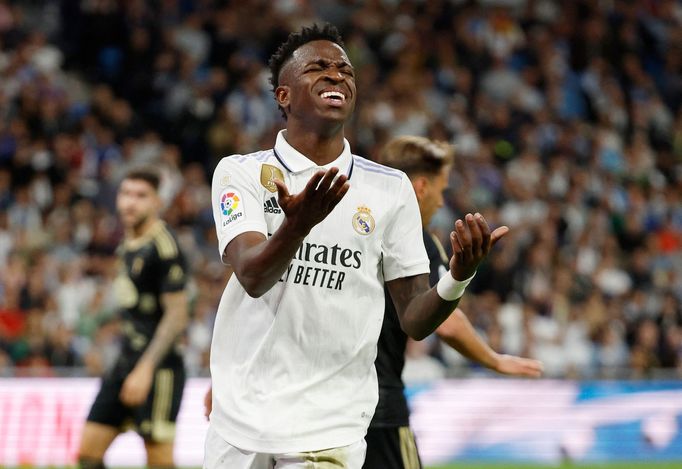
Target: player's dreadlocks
[[326, 32]]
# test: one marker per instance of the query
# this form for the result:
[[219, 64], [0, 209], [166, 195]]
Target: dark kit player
[[390, 442], [144, 389]]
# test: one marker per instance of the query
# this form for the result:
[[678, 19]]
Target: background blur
[[566, 117]]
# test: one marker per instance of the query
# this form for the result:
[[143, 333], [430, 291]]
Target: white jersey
[[293, 370]]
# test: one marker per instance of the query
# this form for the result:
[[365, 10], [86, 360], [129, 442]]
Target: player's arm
[[175, 317], [457, 332], [258, 262], [173, 322], [422, 309]]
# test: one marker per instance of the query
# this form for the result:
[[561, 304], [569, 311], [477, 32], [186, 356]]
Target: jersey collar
[[133, 244], [295, 162]]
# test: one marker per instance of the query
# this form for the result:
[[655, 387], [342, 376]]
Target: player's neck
[[317, 147], [141, 230]]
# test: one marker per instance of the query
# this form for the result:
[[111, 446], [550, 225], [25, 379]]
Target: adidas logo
[[271, 206]]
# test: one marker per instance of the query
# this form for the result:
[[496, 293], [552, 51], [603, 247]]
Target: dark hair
[[326, 32], [147, 174], [412, 155]]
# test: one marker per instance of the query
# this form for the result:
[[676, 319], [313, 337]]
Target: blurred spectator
[[420, 366], [566, 117]]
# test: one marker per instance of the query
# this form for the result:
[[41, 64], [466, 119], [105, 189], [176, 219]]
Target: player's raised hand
[[517, 366], [312, 205], [471, 242]]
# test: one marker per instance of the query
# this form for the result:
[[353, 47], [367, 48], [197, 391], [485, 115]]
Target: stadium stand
[[566, 117]]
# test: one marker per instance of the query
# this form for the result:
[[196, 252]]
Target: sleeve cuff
[[407, 271], [233, 233]]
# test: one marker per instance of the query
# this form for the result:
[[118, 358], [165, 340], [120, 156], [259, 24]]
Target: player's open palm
[[471, 242], [517, 366], [317, 200]]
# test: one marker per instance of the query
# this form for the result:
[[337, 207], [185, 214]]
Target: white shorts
[[219, 454]]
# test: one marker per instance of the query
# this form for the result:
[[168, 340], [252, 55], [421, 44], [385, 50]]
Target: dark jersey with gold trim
[[392, 410], [148, 268]]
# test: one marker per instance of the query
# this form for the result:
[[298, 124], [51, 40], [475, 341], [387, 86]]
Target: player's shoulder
[[247, 167], [165, 242], [247, 160], [376, 173], [380, 170]]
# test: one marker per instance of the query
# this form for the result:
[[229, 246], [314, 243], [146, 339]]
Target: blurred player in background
[[292, 355], [144, 389], [390, 442]]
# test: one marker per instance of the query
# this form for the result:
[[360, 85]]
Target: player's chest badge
[[363, 221], [268, 175]]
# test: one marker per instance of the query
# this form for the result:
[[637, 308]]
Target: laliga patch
[[231, 207], [268, 175], [363, 221]]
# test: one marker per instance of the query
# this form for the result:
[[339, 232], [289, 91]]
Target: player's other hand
[[317, 200], [137, 385], [517, 366], [208, 403], [471, 242]]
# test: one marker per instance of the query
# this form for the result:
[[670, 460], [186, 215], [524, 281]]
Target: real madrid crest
[[268, 175], [363, 221]]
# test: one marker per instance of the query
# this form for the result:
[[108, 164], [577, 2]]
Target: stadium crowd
[[566, 117]]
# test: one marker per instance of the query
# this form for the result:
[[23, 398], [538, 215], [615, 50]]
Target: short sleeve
[[404, 254], [236, 202], [173, 273]]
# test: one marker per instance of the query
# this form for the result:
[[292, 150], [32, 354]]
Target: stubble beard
[[133, 227]]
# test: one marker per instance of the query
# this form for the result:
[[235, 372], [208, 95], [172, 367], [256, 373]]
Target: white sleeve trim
[[236, 231], [407, 271]]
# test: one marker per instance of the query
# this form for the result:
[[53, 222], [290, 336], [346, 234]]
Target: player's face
[[432, 199], [137, 202], [319, 82]]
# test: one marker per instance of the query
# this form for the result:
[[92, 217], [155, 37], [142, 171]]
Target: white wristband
[[450, 289]]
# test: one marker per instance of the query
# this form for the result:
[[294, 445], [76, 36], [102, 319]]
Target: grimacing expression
[[136, 202], [318, 80]]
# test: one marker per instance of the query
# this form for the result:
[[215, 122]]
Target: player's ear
[[420, 184], [282, 96], [158, 203]]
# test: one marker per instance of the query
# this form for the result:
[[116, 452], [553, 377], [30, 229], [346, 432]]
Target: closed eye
[[321, 65]]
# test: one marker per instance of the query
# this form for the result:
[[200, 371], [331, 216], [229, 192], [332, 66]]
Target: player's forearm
[[173, 323], [420, 309], [458, 333], [425, 313], [261, 265]]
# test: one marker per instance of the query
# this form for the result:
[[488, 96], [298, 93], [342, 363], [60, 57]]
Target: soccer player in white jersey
[[313, 233]]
